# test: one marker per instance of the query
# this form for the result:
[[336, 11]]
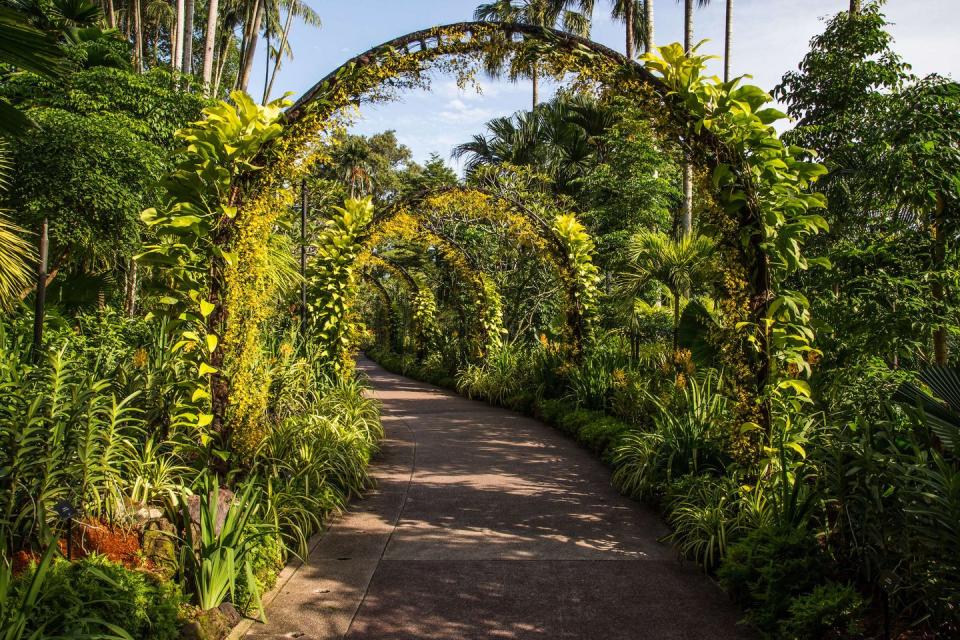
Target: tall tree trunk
[[728, 36], [266, 64], [676, 322], [251, 33], [650, 41], [176, 39], [628, 18], [855, 7], [288, 23], [209, 45], [39, 307], [111, 15], [940, 348], [221, 63], [188, 11], [137, 35], [535, 80], [687, 217], [130, 289]]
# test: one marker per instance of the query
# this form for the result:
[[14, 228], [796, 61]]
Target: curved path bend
[[488, 524]]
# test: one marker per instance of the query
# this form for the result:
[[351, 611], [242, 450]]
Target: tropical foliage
[[755, 332]]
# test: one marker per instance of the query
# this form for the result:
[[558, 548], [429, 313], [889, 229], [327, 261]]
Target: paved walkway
[[488, 524]]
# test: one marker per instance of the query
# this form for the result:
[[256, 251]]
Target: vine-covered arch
[[404, 62], [403, 224], [558, 240], [759, 186]]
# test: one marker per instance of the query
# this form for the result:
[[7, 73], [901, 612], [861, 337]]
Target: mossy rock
[[160, 550], [213, 624]]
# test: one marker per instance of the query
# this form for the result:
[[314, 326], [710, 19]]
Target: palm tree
[[295, 8], [176, 37], [159, 14], [186, 64], [353, 161], [24, 46], [560, 139], [633, 17], [511, 140], [16, 254], [560, 14], [684, 266]]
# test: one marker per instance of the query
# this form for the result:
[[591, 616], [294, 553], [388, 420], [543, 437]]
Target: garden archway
[[758, 185], [404, 62], [560, 242]]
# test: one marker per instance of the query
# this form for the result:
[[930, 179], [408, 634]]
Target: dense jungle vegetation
[[180, 411]]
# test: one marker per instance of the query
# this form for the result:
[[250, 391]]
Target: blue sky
[[770, 37]]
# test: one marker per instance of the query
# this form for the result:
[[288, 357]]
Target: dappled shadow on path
[[488, 524]]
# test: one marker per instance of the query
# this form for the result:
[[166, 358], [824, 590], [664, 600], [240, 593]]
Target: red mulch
[[116, 543]]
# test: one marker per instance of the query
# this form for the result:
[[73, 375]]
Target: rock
[[160, 550], [224, 500], [213, 624], [146, 514], [230, 614]]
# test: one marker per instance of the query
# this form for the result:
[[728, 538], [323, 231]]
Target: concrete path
[[488, 524]]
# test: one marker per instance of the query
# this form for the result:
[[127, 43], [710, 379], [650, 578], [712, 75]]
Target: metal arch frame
[[423, 37]]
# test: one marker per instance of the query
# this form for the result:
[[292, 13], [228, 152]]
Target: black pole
[[303, 257], [41, 293]]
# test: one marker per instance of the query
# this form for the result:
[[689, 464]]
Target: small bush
[[831, 610], [702, 512], [551, 410], [266, 561], [574, 421], [600, 434], [766, 570], [80, 595]]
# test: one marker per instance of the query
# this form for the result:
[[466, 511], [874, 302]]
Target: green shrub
[[766, 570], [600, 434], [96, 589], [572, 422], [682, 441], [831, 610], [267, 554], [551, 410], [521, 402], [702, 512]]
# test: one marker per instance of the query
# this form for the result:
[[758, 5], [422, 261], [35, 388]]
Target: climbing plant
[[764, 186], [214, 263], [581, 278], [425, 319], [760, 185], [334, 280]]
